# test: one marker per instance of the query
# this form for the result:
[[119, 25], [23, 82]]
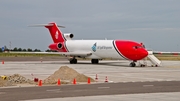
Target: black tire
[[92, 61], [71, 62], [75, 61], [97, 61], [132, 64]]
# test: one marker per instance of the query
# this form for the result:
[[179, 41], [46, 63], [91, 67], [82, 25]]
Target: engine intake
[[68, 36], [59, 45], [56, 46]]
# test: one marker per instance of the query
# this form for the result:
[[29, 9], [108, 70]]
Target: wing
[[166, 53], [82, 54]]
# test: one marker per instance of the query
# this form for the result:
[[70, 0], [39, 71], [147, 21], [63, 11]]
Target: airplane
[[93, 49]]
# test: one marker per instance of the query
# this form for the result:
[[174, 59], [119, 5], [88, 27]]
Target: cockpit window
[[137, 47]]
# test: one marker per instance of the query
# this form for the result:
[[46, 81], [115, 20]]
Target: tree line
[[24, 50]]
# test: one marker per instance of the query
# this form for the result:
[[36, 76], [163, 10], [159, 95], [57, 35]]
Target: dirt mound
[[14, 79], [18, 79], [66, 75], [83, 78], [2, 82]]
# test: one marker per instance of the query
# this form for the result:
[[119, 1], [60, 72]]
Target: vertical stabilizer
[[56, 34]]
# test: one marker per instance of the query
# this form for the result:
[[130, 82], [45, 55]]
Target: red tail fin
[[56, 34]]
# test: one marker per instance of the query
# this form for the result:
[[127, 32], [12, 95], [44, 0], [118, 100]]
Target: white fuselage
[[103, 48]]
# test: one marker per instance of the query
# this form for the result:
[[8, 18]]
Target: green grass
[[168, 57], [25, 55]]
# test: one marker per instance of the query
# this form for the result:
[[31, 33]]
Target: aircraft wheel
[[132, 64], [94, 61], [73, 61]]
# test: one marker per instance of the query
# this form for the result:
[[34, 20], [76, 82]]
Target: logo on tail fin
[[94, 47], [57, 34]]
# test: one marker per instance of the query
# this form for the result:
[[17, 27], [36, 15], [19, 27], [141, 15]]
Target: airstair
[[155, 61]]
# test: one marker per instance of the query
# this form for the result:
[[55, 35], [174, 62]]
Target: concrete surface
[[28, 93], [116, 71], [173, 96]]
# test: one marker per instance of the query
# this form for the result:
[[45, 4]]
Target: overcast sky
[[156, 23]]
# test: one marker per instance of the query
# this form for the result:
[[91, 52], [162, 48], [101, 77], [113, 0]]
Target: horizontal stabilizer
[[43, 25]]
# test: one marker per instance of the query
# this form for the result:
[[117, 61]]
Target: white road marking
[[103, 87], [148, 85], [2, 92], [78, 90], [54, 90]]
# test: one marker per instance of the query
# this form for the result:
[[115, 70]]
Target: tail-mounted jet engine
[[56, 46], [68, 36]]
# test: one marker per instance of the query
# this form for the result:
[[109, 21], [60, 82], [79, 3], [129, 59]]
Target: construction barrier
[[36, 79]]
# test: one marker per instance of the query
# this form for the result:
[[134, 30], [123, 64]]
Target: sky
[[156, 23]]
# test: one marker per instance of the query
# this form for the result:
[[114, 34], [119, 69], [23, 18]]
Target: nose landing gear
[[132, 64]]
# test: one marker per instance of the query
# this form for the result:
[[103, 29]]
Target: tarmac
[[125, 97], [116, 72]]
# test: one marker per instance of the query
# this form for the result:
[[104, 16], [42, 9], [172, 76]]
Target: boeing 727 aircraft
[[94, 49]]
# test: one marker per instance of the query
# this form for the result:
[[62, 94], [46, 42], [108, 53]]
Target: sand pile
[[14, 79], [66, 75], [18, 79], [2, 82]]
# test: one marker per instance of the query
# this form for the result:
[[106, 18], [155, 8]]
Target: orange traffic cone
[[74, 81], [106, 80], [89, 80], [40, 83], [58, 82], [2, 61]]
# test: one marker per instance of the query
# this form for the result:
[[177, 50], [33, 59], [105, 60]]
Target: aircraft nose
[[144, 53]]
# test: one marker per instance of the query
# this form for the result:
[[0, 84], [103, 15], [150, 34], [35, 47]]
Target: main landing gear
[[73, 60], [132, 64], [94, 61]]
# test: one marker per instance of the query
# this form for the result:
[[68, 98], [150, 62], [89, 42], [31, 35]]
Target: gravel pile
[[4, 83], [66, 75], [18, 79]]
